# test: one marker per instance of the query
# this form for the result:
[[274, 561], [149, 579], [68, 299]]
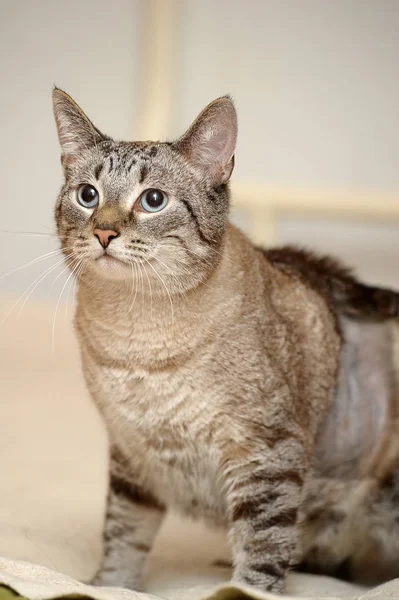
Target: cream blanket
[[52, 464]]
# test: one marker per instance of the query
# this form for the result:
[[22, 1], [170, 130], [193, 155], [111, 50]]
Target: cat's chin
[[111, 268]]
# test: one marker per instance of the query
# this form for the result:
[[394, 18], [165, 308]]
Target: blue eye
[[88, 196], [153, 200]]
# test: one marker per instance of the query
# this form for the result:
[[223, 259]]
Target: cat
[[255, 389]]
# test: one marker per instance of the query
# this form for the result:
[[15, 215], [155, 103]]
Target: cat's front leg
[[132, 521], [263, 503]]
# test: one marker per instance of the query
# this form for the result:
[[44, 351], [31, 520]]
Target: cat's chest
[[133, 340], [163, 423]]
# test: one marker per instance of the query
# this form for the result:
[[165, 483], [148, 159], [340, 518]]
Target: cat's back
[[297, 327], [301, 302]]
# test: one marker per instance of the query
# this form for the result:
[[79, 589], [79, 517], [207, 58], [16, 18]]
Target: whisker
[[58, 303], [149, 285], [204, 283], [48, 270], [164, 285], [134, 286], [172, 273], [137, 274], [74, 284], [28, 233], [192, 252], [41, 550], [184, 268], [38, 280], [32, 262], [66, 267], [140, 268], [50, 228], [187, 268], [67, 299]]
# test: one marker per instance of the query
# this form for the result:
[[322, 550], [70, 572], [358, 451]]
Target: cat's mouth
[[108, 263], [112, 266], [108, 259]]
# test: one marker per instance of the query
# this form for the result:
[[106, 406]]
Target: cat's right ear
[[76, 132]]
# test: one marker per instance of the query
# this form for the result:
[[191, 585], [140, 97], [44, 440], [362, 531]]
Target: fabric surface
[[53, 452], [7, 594]]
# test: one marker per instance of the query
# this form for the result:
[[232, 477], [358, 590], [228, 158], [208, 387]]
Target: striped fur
[[214, 365], [132, 521]]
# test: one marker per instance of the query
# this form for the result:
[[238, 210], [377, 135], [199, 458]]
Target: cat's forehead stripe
[[124, 158], [131, 164], [98, 171], [143, 173]]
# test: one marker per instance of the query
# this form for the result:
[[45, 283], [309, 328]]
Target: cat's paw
[[114, 579], [263, 576]]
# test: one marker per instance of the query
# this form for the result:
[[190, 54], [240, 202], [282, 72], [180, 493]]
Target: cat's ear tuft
[[76, 132], [210, 142]]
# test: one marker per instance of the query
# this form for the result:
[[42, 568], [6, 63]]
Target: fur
[[222, 370]]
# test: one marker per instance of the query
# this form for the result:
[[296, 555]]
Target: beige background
[[317, 89], [315, 82]]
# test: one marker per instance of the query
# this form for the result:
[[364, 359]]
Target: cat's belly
[[161, 424], [357, 438]]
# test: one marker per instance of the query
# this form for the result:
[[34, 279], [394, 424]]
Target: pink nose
[[105, 236]]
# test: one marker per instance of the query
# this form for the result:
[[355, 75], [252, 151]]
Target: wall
[[87, 47], [316, 86], [315, 83]]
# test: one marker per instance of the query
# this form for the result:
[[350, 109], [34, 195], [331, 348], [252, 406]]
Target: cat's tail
[[337, 284], [366, 301]]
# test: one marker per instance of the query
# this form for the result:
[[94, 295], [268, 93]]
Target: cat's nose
[[105, 236]]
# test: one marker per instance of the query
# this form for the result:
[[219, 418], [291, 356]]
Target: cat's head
[[155, 209]]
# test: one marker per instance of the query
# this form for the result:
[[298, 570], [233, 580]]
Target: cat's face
[[154, 212]]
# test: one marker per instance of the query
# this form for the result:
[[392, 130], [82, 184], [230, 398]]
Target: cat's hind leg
[[353, 535]]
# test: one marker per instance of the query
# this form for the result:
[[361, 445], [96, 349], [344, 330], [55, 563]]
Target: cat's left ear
[[210, 142]]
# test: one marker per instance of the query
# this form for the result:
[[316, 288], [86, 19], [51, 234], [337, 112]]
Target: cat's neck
[[157, 318]]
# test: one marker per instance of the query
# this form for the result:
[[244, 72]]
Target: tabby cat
[[254, 389]]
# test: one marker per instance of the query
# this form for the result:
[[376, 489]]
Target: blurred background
[[316, 85]]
